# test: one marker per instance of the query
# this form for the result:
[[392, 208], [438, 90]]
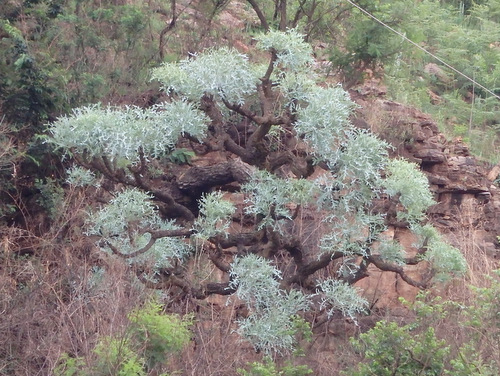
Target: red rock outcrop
[[467, 209]]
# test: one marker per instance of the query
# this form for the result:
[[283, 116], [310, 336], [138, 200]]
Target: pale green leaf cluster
[[351, 233], [324, 122], [270, 325], [411, 185], [174, 79], [446, 261], [391, 251], [81, 177], [293, 58], [12, 31], [215, 215], [296, 87], [223, 73], [272, 329], [291, 50], [121, 133], [256, 280], [356, 175], [272, 197], [348, 268], [124, 223], [338, 296], [362, 161], [161, 254], [357, 170], [128, 207], [329, 191]]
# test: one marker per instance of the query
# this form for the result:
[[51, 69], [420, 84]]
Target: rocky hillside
[[62, 297], [468, 202]]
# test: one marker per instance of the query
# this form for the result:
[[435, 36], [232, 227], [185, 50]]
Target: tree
[[26, 94], [298, 189], [354, 42]]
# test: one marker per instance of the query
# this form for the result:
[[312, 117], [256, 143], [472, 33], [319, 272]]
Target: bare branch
[[389, 267], [258, 11], [310, 268], [170, 280]]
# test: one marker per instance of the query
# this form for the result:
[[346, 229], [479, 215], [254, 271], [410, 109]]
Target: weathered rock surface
[[468, 203], [459, 181]]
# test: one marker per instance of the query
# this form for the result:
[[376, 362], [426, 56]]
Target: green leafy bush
[[158, 335], [115, 356], [149, 341], [393, 350], [51, 196], [269, 368], [467, 343]]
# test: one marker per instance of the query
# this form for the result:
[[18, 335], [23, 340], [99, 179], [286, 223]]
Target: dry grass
[[51, 298], [468, 238]]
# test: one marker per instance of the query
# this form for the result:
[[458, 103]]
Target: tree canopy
[[254, 166]]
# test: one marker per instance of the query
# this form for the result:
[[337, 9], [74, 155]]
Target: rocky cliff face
[[468, 203]]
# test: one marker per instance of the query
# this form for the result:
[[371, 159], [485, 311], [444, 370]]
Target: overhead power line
[[423, 49]]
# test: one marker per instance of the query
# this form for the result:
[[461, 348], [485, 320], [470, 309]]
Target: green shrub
[[469, 343], [390, 349], [269, 368], [147, 343], [158, 335]]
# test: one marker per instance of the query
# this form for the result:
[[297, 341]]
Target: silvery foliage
[[291, 50], [348, 267], [81, 177], [215, 215], [350, 232], [338, 296], [342, 195], [124, 223], [361, 161], [293, 62], [121, 133], [356, 159], [391, 251], [273, 198], [357, 170], [445, 260], [224, 73], [272, 330], [295, 88], [269, 326], [256, 280], [411, 184], [324, 122]]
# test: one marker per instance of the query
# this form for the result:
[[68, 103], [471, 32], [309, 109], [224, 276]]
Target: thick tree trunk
[[199, 179]]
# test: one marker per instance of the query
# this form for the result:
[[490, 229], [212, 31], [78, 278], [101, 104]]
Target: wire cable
[[423, 49]]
